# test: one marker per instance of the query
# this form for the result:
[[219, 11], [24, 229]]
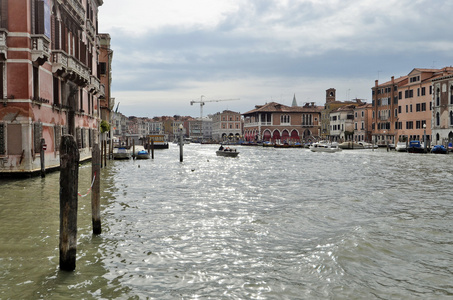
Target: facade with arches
[[278, 123], [442, 123]]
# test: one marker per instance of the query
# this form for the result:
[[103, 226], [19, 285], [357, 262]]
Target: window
[[451, 94], [103, 68], [451, 121], [437, 119], [363, 126], [400, 95], [399, 109], [423, 106], [418, 125], [410, 125], [417, 107], [407, 106], [410, 108], [423, 91], [285, 119], [438, 97]]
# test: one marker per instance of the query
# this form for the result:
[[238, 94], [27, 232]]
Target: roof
[[277, 107]]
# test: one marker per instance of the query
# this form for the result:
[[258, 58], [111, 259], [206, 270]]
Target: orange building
[[403, 108], [48, 61]]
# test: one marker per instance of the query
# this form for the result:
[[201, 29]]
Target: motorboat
[[439, 149], [229, 152], [121, 153], [142, 154], [325, 147], [415, 147], [351, 145], [401, 147]]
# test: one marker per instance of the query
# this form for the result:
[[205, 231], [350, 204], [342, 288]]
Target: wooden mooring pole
[[152, 148], [69, 173], [43, 158], [96, 189], [105, 153]]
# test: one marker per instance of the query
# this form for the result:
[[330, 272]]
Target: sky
[[168, 53]]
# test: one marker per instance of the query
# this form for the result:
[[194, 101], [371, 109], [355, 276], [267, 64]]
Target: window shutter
[[4, 14], [2, 139], [57, 136], [37, 136], [39, 18]]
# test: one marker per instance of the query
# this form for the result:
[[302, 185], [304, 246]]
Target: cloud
[[262, 48]]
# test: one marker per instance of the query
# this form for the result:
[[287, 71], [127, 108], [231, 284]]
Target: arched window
[[451, 94], [437, 119], [438, 97]]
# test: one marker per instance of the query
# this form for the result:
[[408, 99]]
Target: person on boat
[[221, 147]]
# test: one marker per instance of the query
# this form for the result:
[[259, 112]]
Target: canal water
[[270, 224]]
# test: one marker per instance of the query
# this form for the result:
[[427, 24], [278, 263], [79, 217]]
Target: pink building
[[48, 68]]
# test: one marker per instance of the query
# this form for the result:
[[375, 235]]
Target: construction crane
[[202, 103]]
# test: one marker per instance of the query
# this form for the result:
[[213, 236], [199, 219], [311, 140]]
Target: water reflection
[[270, 224]]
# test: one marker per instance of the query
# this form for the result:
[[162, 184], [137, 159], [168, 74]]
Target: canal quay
[[269, 224]]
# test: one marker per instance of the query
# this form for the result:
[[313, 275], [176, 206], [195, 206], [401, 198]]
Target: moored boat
[[142, 154], [439, 149], [325, 147], [415, 147], [401, 147], [350, 145], [121, 153]]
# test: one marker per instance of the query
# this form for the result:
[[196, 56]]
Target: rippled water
[[270, 224]]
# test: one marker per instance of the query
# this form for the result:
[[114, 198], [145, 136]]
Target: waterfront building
[[207, 128], [386, 110], [331, 105], [442, 117], [106, 102], [49, 72], [195, 129], [403, 108], [226, 125], [363, 123], [279, 123], [342, 123]]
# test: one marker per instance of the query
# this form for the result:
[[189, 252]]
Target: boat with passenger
[[227, 151]]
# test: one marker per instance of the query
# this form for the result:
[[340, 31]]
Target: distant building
[[279, 123], [326, 120], [362, 123], [226, 125]]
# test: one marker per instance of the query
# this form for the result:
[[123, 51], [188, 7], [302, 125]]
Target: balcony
[[75, 8], [95, 84], [70, 68], [40, 48]]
